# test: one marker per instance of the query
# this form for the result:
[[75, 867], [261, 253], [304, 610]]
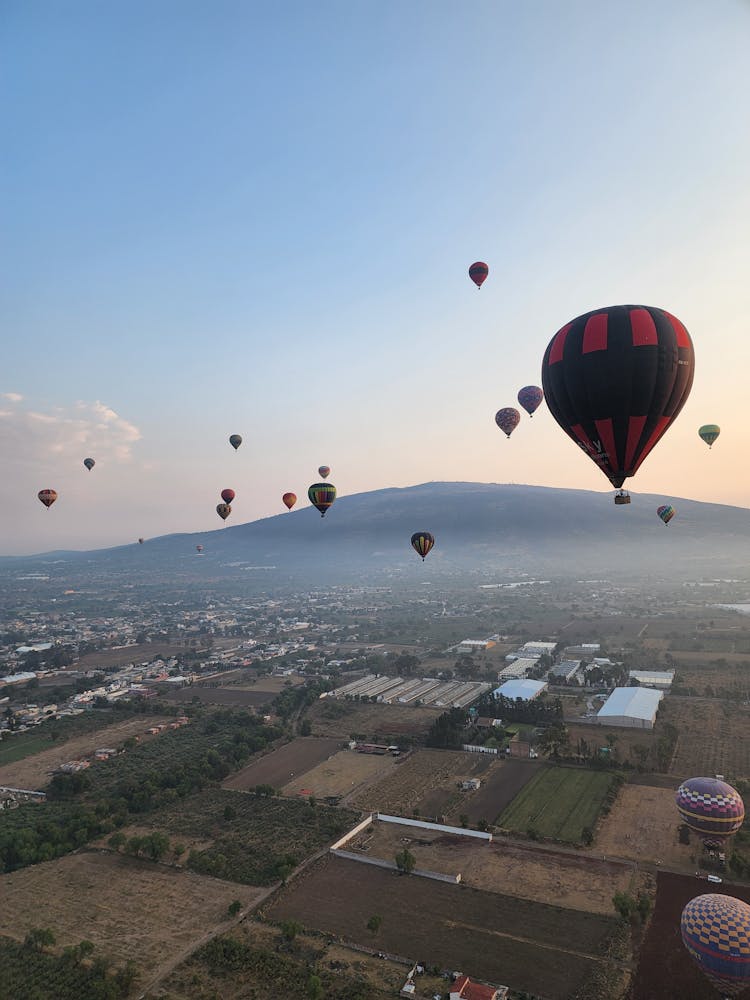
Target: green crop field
[[559, 803], [17, 747]]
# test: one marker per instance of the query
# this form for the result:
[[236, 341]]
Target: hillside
[[477, 526]]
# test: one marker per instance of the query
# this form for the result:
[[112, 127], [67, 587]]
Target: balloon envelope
[[715, 930], [666, 512], [710, 806], [235, 440], [227, 495], [198, 548], [223, 510], [289, 499], [141, 541], [615, 379], [47, 497], [530, 398], [709, 433], [507, 420], [478, 272], [422, 542], [324, 471], [321, 495], [89, 463]]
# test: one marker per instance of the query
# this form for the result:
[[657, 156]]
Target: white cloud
[[73, 432], [13, 397]]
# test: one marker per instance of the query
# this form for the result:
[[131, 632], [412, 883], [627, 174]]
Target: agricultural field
[[633, 745], [714, 737], [34, 772], [559, 803], [710, 675], [281, 765], [246, 838], [264, 965], [501, 939], [534, 871], [129, 909], [425, 782], [342, 774], [643, 826], [380, 723], [501, 782], [664, 967], [232, 697]]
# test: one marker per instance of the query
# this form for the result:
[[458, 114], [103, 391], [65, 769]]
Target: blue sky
[[229, 217]]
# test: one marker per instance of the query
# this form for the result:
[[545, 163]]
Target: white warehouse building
[[632, 707], [653, 678], [523, 689]]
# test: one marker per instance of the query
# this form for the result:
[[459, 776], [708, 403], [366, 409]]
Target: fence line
[[457, 831]]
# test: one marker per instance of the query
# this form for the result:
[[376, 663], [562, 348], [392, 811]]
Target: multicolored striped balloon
[[321, 495], [422, 542], [710, 806], [666, 512]]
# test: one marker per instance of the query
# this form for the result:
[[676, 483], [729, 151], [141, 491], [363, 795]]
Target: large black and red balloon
[[615, 379]]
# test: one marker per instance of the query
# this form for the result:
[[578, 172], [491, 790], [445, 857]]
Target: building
[[517, 668], [653, 678], [469, 646], [632, 707], [566, 669], [537, 648], [523, 689], [583, 651], [463, 988]]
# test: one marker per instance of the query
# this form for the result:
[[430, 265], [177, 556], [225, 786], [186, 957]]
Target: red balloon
[[290, 499], [478, 272], [227, 495], [47, 497]]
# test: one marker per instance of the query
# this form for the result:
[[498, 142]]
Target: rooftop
[[634, 702]]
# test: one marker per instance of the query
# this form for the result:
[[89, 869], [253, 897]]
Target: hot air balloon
[[478, 272], [324, 471], [47, 497], [235, 440], [615, 379], [422, 542], [141, 541], [223, 510], [290, 499], [89, 463], [711, 807], [507, 420], [227, 495], [666, 512], [709, 433], [621, 497], [321, 495], [198, 548], [716, 931], [530, 398]]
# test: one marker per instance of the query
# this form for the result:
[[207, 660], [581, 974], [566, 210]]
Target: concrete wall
[[470, 748], [391, 866], [457, 831], [352, 833]]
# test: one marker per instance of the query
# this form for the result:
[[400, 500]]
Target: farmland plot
[[501, 939], [643, 825], [380, 723], [341, 774], [714, 737], [503, 780], [280, 766], [559, 803], [425, 782], [129, 909]]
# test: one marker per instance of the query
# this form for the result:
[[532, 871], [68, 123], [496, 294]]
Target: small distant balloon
[[289, 499], [478, 272], [324, 471], [227, 495], [321, 495], [530, 398], [666, 512], [422, 542], [235, 440], [141, 541], [507, 420], [198, 548], [223, 510], [89, 463], [709, 433], [47, 497]]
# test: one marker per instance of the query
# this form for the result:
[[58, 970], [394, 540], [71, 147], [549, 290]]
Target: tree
[[463, 819], [373, 924], [315, 988], [234, 908], [290, 929], [157, 845], [39, 938], [405, 861], [117, 840], [305, 728], [229, 813]]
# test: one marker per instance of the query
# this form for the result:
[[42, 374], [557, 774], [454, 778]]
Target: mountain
[[477, 526]]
